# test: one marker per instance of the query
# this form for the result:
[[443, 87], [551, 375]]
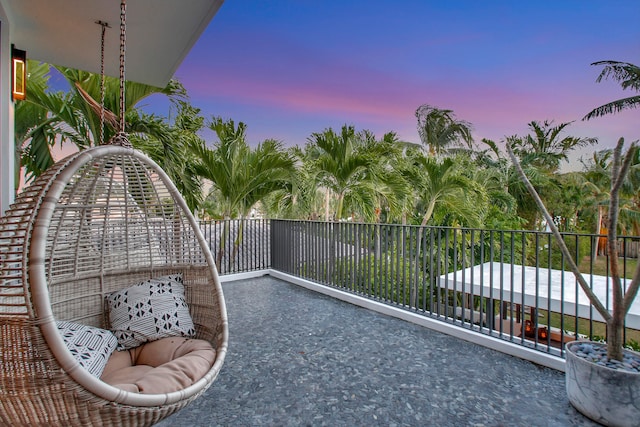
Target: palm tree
[[545, 146], [47, 118], [85, 88], [303, 197], [43, 120], [439, 130], [241, 176], [494, 175], [390, 187], [539, 153], [541, 179], [346, 168], [596, 193], [173, 147], [628, 75], [439, 184]]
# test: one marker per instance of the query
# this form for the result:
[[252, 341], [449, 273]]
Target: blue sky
[[291, 68]]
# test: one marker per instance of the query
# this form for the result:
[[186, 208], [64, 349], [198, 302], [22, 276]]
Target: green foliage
[[355, 172], [338, 175], [173, 147], [241, 176], [632, 345], [443, 192], [385, 278], [540, 154]]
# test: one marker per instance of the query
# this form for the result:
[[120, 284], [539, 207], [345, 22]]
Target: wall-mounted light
[[19, 73]]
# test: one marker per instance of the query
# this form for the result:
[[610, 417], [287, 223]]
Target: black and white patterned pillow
[[89, 345], [149, 311]]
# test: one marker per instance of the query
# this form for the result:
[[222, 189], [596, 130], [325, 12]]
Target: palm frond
[[628, 75]]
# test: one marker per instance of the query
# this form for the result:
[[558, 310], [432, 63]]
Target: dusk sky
[[291, 68]]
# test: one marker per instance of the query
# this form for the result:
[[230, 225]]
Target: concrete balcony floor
[[299, 358]]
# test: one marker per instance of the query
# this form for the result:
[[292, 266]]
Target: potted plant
[[604, 386]]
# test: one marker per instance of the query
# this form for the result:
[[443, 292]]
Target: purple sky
[[291, 68]]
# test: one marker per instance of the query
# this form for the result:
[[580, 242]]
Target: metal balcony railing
[[512, 285], [239, 245]]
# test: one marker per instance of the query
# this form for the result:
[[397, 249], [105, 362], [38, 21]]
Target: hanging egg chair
[[111, 309], [97, 222]]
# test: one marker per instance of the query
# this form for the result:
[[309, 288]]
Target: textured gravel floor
[[299, 358]]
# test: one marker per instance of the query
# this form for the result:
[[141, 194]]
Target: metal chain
[[123, 30], [104, 26], [121, 137]]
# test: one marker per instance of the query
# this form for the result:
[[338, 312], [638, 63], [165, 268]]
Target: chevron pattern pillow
[[148, 311], [89, 345]]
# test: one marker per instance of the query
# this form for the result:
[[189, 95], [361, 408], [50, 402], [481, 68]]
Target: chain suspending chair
[[98, 221]]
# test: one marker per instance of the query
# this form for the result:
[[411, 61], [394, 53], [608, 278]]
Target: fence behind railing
[[513, 285]]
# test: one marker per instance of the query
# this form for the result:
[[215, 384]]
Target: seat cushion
[[161, 366], [126, 378], [119, 360]]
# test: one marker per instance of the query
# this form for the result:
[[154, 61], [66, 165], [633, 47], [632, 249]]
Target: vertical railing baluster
[[472, 262]]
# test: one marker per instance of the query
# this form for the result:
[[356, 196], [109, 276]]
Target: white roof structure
[[160, 33]]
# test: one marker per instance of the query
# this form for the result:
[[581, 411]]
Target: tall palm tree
[[303, 198], [344, 168], [241, 176], [628, 75], [540, 154], [439, 129], [439, 184], [391, 188]]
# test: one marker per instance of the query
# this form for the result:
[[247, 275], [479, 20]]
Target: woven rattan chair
[[96, 222]]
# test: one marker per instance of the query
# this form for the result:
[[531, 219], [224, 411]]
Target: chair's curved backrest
[[98, 221]]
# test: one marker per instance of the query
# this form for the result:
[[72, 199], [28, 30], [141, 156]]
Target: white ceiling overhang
[[159, 33]]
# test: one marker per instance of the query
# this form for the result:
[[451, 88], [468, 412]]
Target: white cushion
[[149, 311], [89, 345]]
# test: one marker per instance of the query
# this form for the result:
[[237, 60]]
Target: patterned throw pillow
[[89, 345], [149, 311]]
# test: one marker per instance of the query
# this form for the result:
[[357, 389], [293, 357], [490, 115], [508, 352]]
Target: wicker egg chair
[[98, 221]]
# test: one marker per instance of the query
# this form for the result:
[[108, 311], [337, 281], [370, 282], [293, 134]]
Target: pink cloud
[[301, 84]]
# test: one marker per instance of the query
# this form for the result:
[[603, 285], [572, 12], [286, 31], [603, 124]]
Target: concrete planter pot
[[608, 396]]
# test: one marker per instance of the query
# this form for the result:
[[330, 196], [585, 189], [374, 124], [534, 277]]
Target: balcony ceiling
[[160, 33]]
